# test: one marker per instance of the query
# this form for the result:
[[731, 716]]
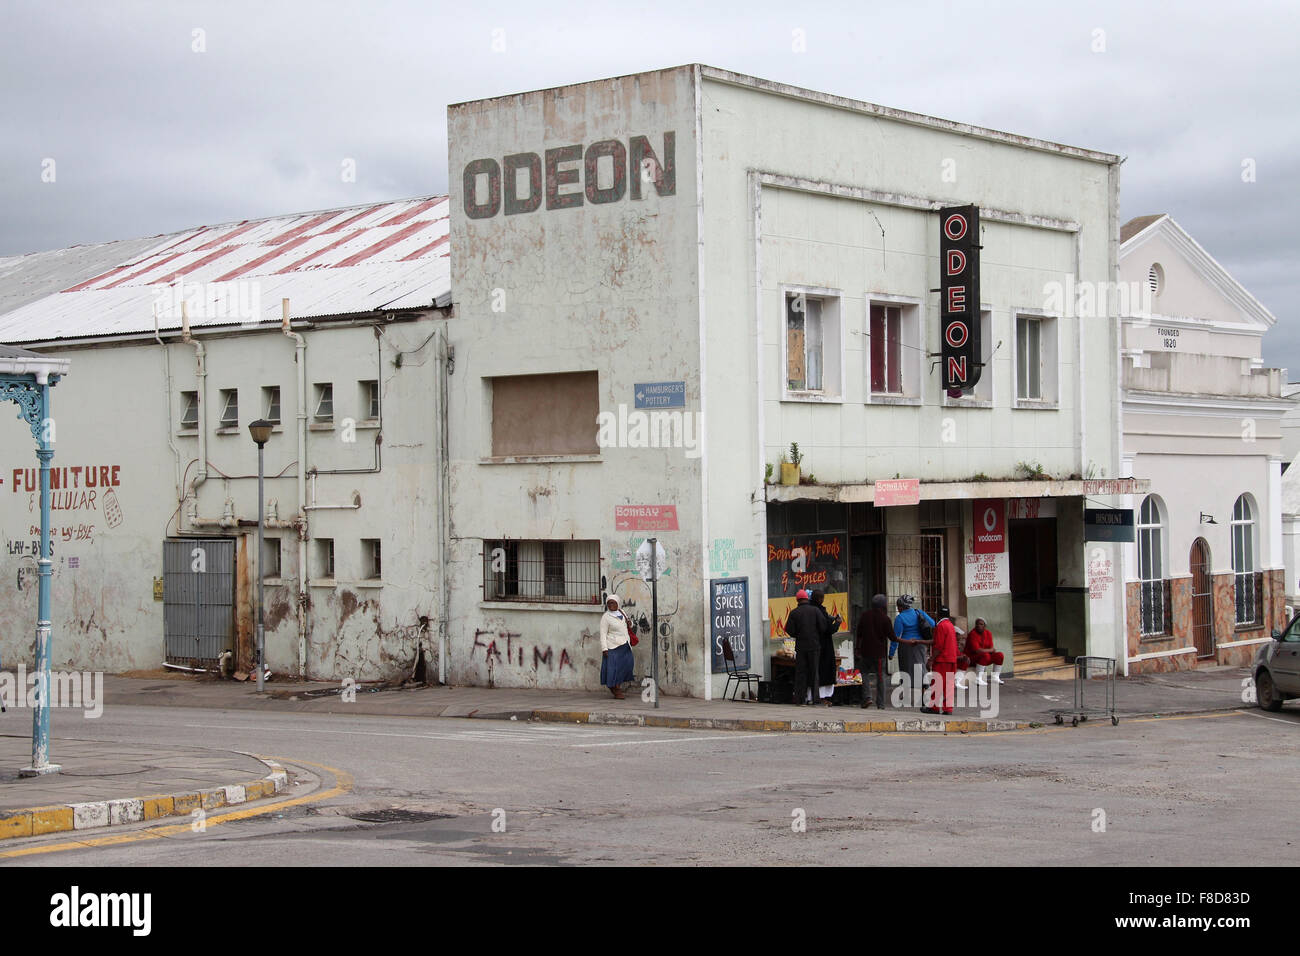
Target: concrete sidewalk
[[1019, 703], [112, 784]]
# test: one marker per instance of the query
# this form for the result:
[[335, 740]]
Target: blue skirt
[[616, 666]]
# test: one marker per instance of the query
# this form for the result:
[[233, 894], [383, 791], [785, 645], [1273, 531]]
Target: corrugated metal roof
[[390, 255], [26, 278]]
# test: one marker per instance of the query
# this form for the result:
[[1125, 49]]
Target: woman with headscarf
[[871, 649], [615, 651], [827, 666]]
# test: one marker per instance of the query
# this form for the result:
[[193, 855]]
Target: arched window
[[1154, 612], [1245, 578]]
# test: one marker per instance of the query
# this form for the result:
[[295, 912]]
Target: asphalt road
[[1208, 790]]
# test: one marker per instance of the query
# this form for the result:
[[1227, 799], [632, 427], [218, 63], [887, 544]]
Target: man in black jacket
[[804, 624]]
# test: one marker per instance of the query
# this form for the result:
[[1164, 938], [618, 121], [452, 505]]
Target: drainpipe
[[444, 503], [167, 397], [300, 360], [201, 372]]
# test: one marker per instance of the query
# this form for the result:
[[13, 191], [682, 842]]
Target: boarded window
[[545, 414]]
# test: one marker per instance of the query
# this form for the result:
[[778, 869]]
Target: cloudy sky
[[164, 115]]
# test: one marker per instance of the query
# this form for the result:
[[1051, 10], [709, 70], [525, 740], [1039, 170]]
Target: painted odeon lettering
[[489, 186]]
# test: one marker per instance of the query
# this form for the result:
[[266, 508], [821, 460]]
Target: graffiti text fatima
[[604, 172]]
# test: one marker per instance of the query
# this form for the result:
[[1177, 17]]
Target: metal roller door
[[198, 599]]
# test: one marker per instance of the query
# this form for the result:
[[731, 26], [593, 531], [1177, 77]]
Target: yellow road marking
[[342, 784]]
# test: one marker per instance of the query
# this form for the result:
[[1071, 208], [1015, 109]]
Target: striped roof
[[381, 256]]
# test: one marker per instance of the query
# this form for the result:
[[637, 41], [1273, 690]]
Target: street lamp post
[[261, 432]]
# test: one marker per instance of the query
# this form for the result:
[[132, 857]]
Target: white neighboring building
[[1202, 422]]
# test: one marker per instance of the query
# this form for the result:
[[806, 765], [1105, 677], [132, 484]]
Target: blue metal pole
[[41, 713]]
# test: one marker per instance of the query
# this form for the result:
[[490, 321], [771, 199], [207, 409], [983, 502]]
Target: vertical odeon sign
[[959, 257]]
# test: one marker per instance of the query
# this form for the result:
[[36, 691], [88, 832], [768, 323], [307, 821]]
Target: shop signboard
[[808, 562], [989, 515], [729, 618]]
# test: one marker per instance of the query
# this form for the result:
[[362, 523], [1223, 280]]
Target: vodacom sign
[[990, 525]]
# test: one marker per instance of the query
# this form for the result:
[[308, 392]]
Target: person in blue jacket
[[913, 646]]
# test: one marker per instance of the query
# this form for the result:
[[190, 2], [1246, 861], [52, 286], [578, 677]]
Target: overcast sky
[[150, 134]]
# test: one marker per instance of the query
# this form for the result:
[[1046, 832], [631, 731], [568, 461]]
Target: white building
[[1202, 422], [179, 344], [770, 257], [660, 282]]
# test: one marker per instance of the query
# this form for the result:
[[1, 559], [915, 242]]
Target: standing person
[[943, 662], [615, 651], [912, 646], [871, 649], [826, 663], [805, 624], [979, 649]]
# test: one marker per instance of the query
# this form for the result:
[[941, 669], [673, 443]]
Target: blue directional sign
[[660, 395]]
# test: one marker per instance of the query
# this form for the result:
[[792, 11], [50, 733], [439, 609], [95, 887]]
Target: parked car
[[1277, 668]]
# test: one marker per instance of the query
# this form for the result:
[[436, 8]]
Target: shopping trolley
[[1094, 679]]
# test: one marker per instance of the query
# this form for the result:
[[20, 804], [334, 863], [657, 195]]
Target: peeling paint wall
[[599, 275], [117, 409]]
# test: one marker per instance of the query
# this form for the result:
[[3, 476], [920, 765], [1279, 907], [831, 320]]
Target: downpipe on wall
[[304, 532], [201, 373]]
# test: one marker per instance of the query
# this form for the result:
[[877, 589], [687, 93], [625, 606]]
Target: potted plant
[[790, 465]]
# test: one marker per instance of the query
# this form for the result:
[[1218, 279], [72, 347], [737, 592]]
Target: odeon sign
[[503, 178], [959, 289]]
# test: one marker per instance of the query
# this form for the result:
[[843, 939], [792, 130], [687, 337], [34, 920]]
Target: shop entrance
[[1202, 599], [1031, 554]]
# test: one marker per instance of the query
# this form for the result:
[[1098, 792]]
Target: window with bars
[[1246, 581], [549, 572], [1154, 601], [933, 594]]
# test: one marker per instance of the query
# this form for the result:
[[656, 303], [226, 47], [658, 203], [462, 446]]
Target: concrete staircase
[[1038, 660]]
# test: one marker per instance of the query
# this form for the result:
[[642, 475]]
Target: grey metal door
[[198, 599]]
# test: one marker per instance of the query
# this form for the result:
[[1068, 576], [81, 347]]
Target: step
[[1035, 653], [1046, 670]]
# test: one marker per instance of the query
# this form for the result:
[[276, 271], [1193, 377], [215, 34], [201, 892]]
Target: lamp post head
[[261, 431]]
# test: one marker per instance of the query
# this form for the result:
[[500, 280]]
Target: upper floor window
[[886, 349], [271, 403], [813, 345], [1036, 359], [324, 402], [189, 409], [545, 415], [229, 408]]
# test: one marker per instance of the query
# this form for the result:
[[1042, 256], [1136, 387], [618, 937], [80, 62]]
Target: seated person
[[979, 651]]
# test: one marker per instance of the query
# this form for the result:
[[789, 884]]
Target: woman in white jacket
[[615, 651]]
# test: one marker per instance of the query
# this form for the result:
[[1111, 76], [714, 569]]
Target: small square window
[[189, 409], [370, 400], [370, 558], [325, 558], [271, 403], [324, 402], [271, 557], [229, 408]]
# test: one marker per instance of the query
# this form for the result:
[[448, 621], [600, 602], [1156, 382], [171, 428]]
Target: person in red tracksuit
[[943, 664], [979, 649]]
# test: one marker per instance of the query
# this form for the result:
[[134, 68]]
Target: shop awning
[[945, 490]]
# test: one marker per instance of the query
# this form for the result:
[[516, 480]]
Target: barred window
[[550, 572], [1246, 582], [1154, 603]]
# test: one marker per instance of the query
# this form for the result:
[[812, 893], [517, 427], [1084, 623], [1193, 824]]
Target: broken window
[[804, 342]]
